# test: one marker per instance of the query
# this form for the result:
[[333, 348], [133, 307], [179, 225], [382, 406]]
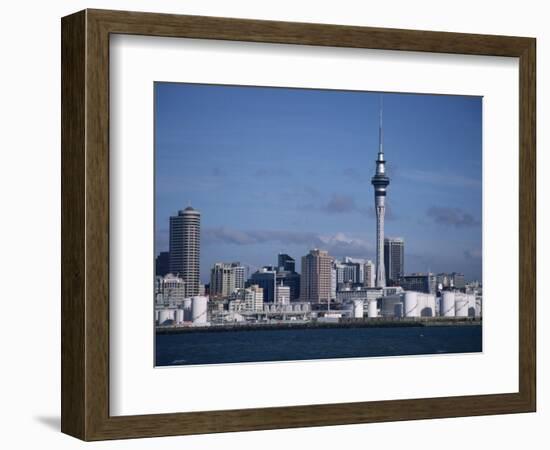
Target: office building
[[315, 282], [421, 282], [286, 263], [240, 275], [249, 299], [394, 259], [292, 280], [282, 294], [162, 264], [169, 290], [225, 278], [458, 280], [185, 248], [452, 280], [266, 278], [370, 274]]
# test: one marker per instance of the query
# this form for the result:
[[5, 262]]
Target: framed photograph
[[273, 225]]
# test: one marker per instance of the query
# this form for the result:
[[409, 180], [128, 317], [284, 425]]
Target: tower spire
[[380, 127]]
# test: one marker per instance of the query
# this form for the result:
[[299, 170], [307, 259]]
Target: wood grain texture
[[73, 227], [85, 224]]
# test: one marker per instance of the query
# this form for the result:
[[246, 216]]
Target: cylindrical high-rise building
[[185, 237], [380, 182]]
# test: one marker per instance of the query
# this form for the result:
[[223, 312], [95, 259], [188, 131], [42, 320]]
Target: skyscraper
[[380, 182], [369, 274], [285, 262], [394, 259], [315, 283], [292, 280], [185, 248], [266, 278], [286, 274], [162, 264], [225, 278]]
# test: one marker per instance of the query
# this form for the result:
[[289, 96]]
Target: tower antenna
[[380, 126]]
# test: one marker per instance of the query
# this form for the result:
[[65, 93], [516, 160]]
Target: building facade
[[292, 280], [282, 296], [225, 278], [162, 264], [250, 299], [421, 282], [370, 274], [394, 259], [315, 283], [451, 280], [286, 263], [169, 290], [266, 278], [185, 235]]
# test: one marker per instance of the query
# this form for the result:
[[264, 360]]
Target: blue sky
[[286, 170]]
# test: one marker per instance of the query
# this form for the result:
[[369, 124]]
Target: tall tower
[[380, 182], [185, 239]]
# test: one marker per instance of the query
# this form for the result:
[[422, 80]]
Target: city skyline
[[251, 175]]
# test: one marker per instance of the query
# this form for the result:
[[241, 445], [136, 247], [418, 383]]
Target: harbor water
[[237, 346]]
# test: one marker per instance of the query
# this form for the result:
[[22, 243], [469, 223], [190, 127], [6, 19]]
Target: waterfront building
[[458, 280], [394, 259], [250, 299], [240, 275], [225, 278], [266, 278], [162, 264], [185, 248], [443, 281], [359, 293], [421, 282], [287, 275], [333, 281], [315, 283], [370, 274], [282, 294], [290, 279], [169, 290], [450, 280], [354, 271], [380, 182]]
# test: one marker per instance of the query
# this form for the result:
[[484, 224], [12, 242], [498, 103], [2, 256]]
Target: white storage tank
[[358, 309], [478, 306], [392, 306], [411, 304], [447, 306], [187, 306], [373, 308], [199, 310], [165, 315], [461, 305], [426, 305], [471, 305], [179, 315]]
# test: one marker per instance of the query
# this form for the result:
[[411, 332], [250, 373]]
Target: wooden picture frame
[[85, 224]]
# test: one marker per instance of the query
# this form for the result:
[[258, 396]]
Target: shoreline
[[350, 323]]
